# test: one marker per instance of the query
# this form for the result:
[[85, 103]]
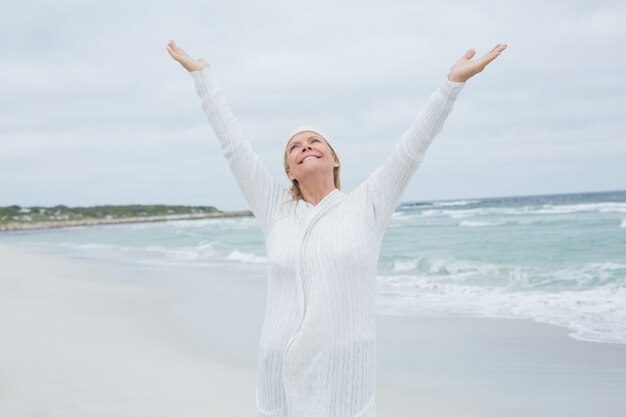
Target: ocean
[[558, 259]]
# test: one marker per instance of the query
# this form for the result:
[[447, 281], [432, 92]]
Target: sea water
[[558, 259]]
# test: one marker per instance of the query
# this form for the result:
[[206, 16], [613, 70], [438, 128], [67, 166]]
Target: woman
[[317, 354]]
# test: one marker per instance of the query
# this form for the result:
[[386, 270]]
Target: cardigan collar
[[306, 210]]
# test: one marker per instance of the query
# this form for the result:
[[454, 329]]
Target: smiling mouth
[[310, 156]]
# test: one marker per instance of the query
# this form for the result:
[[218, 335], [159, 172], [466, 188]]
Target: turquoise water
[[558, 259]]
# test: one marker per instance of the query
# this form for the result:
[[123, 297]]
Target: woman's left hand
[[464, 69]]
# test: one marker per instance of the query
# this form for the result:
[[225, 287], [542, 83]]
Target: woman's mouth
[[308, 157]]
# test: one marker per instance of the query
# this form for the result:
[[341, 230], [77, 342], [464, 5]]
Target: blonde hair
[[296, 193]]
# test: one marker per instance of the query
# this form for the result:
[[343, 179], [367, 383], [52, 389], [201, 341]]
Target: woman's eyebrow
[[298, 141]]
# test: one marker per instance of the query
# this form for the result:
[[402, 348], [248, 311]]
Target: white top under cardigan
[[317, 355]]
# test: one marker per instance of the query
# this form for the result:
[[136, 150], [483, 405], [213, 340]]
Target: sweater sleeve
[[384, 187], [260, 189]]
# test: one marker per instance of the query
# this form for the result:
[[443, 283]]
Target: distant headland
[[13, 218]]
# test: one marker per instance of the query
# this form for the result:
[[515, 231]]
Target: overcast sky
[[95, 111]]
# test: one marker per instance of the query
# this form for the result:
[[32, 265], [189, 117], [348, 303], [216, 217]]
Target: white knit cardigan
[[317, 355]]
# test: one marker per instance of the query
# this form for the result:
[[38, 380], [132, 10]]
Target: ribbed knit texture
[[317, 355]]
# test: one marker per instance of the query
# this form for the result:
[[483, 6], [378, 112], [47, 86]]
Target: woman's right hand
[[185, 60]]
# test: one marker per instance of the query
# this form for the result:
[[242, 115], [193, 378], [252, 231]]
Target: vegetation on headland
[[36, 217]]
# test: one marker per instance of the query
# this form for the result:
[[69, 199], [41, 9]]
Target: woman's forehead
[[310, 134]]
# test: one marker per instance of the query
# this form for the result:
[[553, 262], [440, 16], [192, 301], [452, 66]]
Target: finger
[[171, 52], [174, 55], [498, 48], [494, 48], [488, 58], [492, 55], [180, 51], [176, 48]]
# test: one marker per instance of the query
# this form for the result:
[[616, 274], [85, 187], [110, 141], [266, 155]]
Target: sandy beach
[[84, 338], [76, 344]]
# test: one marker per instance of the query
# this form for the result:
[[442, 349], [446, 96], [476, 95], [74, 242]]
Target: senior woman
[[317, 354]]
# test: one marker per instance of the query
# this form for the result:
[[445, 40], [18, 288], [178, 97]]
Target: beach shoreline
[[79, 338], [24, 226]]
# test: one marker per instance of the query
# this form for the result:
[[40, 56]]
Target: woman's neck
[[314, 193]]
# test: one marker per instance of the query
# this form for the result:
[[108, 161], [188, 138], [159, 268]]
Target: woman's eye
[[294, 146]]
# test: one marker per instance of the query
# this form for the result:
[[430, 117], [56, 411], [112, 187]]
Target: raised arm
[[384, 187], [259, 187], [382, 190], [261, 190]]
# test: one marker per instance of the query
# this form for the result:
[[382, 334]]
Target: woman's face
[[308, 154]]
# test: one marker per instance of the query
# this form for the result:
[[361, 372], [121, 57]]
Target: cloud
[[94, 110]]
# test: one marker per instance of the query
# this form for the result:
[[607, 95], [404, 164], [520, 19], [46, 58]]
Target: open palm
[[464, 69], [185, 59]]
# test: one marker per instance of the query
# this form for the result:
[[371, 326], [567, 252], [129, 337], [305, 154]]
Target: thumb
[[470, 53], [202, 61]]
